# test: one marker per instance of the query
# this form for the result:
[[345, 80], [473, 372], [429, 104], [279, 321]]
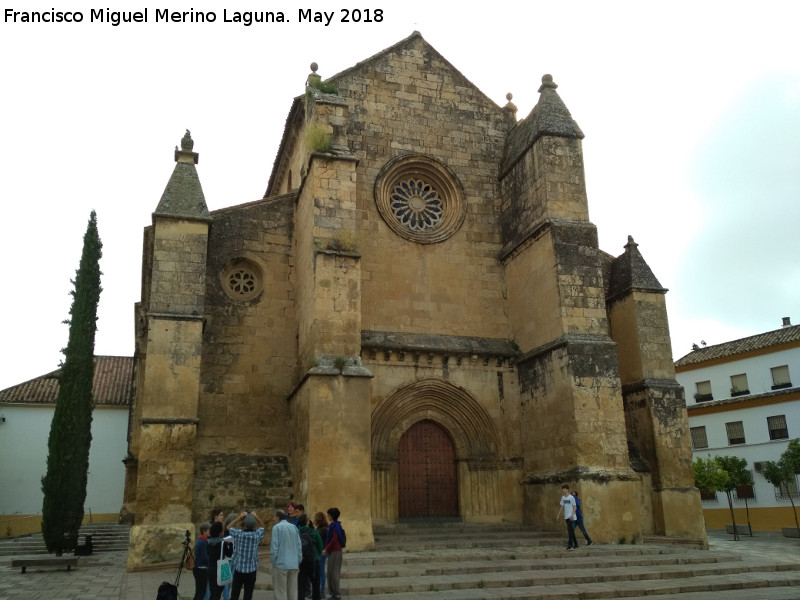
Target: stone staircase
[[473, 562], [106, 537]]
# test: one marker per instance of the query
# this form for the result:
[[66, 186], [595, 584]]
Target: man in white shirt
[[286, 554], [569, 508]]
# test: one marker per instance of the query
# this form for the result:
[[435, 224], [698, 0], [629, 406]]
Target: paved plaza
[[103, 576]]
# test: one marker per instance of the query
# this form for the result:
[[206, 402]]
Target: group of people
[[573, 515], [236, 538], [304, 555]]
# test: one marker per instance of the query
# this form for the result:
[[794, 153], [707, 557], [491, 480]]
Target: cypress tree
[[64, 485]]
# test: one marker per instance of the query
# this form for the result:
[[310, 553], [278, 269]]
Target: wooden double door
[[427, 473]]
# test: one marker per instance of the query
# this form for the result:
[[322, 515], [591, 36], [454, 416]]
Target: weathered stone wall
[[534, 310], [332, 415], [164, 494], [655, 410], [555, 286], [546, 183], [574, 384], [658, 425], [238, 482], [329, 276], [412, 101], [178, 273], [249, 346], [639, 327]]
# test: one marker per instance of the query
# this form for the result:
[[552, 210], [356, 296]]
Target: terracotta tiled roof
[[113, 385], [785, 335]]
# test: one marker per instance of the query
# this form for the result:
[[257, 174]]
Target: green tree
[[781, 473], [708, 475], [736, 468], [64, 484]]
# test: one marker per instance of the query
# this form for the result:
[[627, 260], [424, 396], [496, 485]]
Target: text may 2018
[[164, 15]]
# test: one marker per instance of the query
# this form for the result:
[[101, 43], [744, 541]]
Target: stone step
[[684, 542], [761, 586], [106, 537], [450, 544], [470, 563], [744, 593], [534, 576], [523, 563]]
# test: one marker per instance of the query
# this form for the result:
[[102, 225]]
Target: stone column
[[170, 345]]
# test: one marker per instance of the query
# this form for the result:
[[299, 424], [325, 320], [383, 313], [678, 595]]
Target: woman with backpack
[[308, 573]]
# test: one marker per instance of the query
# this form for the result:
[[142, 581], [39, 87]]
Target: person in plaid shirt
[[247, 531]]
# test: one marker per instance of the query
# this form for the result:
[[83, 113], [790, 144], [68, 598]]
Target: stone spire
[[629, 271], [183, 196], [550, 117]]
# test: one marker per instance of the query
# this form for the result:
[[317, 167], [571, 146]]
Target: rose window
[[416, 205], [242, 282], [420, 199]]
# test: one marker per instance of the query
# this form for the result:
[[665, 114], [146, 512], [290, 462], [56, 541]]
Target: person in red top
[[333, 550]]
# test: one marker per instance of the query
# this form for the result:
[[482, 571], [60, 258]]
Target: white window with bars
[[739, 385], [699, 437], [745, 493], [780, 377], [777, 427], [735, 431], [788, 490], [703, 391]]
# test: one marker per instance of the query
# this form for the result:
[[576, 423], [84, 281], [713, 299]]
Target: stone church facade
[[414, 322]]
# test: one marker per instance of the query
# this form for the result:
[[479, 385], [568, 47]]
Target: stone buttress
[[655, 408], [330, 406], [169, 348], [573, 423]]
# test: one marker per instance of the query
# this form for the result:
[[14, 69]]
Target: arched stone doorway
[[473, 440], [427, 475]]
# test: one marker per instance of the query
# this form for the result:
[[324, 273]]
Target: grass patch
[[318, 139]]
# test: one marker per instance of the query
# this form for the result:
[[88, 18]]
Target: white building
[[26, 412], [743, 399]]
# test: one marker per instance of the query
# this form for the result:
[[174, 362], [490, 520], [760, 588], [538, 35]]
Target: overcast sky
[[691, 112]]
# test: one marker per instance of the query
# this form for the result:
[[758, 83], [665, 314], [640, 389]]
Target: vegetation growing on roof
[[318, 139], [325, 87]]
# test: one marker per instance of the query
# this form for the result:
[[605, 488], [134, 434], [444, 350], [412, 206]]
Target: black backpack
[[167, 591], [343, 537], [308, 548]]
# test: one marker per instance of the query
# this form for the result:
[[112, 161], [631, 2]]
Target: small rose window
[[242, 279]]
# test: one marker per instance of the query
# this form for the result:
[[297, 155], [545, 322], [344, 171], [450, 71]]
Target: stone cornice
[[579, 474], [568, 339], [421, 344], [174, 317], [645, 384], [533, 233]]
